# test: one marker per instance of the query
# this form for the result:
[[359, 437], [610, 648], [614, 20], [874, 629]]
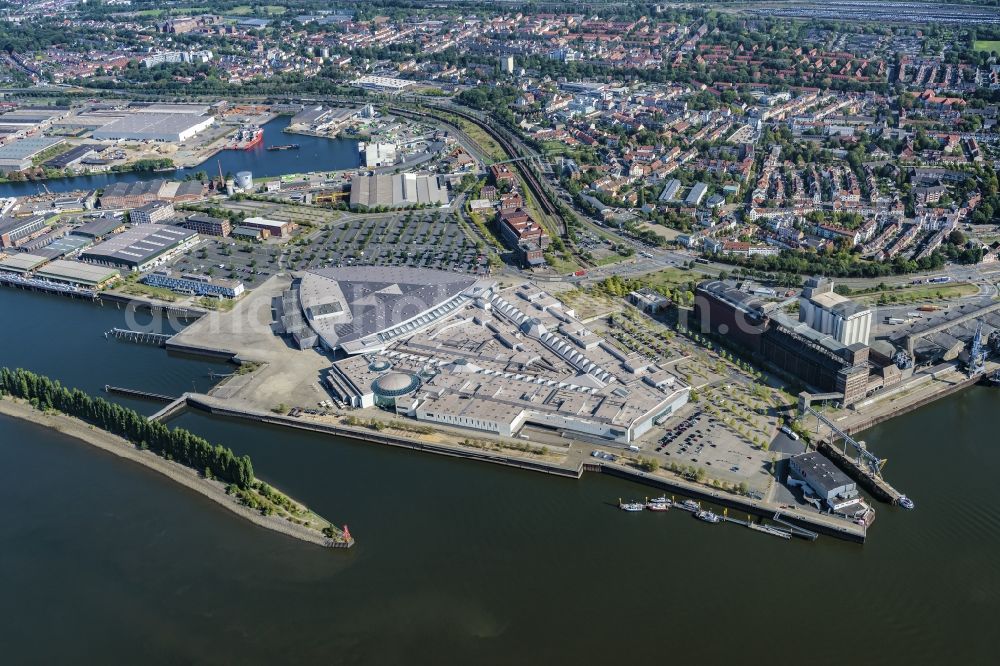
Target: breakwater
[[214, 490]]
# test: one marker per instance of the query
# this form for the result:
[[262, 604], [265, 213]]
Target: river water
[[314, 154], [459, 562]]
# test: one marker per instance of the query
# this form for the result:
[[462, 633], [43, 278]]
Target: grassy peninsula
[[212, 470]]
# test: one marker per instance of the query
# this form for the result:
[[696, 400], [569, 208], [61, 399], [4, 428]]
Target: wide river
[[460, 562], [314, 154]]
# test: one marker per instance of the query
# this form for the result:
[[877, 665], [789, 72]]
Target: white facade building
[[834, 315]]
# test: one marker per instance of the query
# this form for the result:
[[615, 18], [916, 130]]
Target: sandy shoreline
[[212, 489]]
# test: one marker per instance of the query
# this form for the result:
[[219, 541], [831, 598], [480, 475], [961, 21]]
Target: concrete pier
[[140, 337], [136, 393], [878, 487], [171, 410]]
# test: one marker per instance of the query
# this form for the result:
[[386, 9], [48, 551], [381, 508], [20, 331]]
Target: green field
[[988, 45], [246, 10], [670, 278], [921, 294]]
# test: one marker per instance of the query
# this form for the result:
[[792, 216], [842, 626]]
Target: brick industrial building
[[817, 359]]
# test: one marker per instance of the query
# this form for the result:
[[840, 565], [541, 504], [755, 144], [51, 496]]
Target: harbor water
[[460, 562], [314, 154]]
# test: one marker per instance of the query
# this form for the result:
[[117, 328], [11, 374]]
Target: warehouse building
[[165, 127], [832, 486], [181, 190], [277, 228], [18, 155], [131, 195], [99, 228], [78, 274], [379, 154], [63, 246], [16, 231], [398, 191], [21, 263], [141, 248], [70, 158]]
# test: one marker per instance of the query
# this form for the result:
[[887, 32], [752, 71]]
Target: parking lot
[[701, 442], [226, 258], [417, 239]]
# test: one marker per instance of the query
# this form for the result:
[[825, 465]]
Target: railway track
[[531, 181]]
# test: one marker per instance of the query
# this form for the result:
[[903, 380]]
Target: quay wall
[[878, 488], [194, 350], [151, 306], [819, 524], [849, 532], [105, 297], [380, 438], [865, 424]]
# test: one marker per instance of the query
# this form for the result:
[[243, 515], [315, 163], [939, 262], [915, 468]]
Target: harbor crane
[[978, 353], [863, 458]]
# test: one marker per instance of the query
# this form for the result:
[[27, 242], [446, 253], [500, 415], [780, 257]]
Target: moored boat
[[691, 505], [658, 504], [708, 516], [631, 506], [905, 502]]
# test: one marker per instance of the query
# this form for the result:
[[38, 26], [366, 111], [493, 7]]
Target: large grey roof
[[138, 245], [346, 304]]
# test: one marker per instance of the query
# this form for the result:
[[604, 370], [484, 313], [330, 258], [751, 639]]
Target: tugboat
[[905, 502], [631, 507], [658, 504], [708, 516]]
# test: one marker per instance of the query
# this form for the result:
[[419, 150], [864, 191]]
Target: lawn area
[[988, 45], [561, 265], [610, 259], [246, 10], [669, 278], [579, 153], [921, 293], [139, 289], [589, 305], [223, 304], [660, 230]]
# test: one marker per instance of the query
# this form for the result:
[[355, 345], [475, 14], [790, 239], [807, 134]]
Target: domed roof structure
[[395, 384]]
